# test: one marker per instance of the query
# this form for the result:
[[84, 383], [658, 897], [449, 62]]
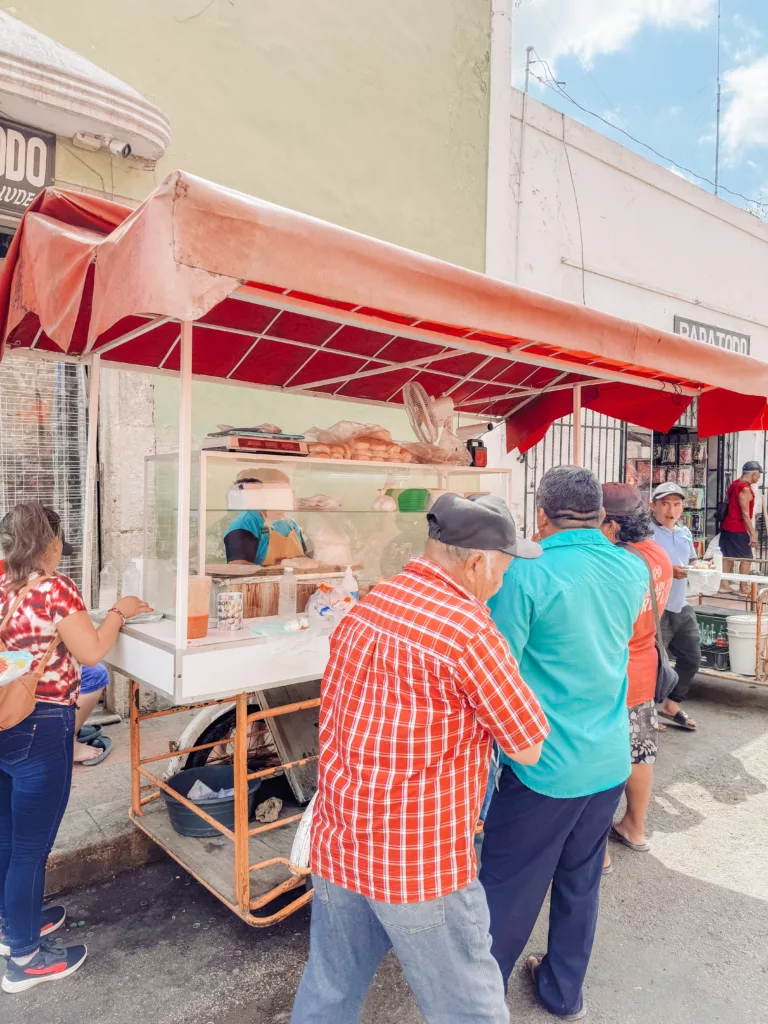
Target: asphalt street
[[682, 937]]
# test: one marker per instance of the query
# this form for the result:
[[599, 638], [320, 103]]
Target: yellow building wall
[[369, 113]]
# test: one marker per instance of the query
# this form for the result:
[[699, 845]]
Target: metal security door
[[603, 445]]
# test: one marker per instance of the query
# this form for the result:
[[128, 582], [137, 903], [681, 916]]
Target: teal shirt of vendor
[[568, 617], [251, 537]]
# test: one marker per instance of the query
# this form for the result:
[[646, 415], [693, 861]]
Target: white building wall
[[593, 222]]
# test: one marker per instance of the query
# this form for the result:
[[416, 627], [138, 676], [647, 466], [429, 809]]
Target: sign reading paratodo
[[27, 159], [720, 337]]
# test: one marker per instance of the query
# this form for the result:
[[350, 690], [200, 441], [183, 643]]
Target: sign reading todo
[[27, 159], [712, 335]]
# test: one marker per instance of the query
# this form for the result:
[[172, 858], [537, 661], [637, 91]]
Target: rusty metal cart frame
[[240, 901]]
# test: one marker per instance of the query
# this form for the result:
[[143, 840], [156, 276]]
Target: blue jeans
[[531, 841], [35, 777], [443, 946]]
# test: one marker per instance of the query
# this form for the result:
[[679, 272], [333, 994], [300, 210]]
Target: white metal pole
[[521, 163], [577, 446], [91, 474], [185, 480], [499, 216], [717, 113]]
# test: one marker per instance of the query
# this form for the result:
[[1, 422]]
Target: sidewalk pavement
[[96, 839]]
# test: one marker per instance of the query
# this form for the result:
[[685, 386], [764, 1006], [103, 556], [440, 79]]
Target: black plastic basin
[[216, 776]]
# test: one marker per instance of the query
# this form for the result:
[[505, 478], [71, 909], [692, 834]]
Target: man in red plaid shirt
[[418, 685]]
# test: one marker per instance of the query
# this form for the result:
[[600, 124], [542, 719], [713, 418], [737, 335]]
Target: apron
[[281, 547]]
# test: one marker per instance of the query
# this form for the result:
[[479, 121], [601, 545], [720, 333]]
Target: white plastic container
[[286, 604], [107, 587], [742, 641]]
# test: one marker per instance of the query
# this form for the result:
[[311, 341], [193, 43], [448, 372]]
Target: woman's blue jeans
[[35, 778]]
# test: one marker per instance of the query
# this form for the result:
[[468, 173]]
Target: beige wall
[[372, 114]]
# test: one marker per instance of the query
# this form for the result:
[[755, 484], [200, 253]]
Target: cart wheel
[[260, 751]]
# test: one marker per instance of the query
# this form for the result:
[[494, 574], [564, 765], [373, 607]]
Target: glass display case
[[247, 513]]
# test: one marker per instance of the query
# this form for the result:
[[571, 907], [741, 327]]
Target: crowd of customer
[[544, 654], [547, 651]]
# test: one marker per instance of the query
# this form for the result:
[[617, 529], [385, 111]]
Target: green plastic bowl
[[413, 499]]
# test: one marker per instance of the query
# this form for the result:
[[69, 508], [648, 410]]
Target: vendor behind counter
[[261, 537]]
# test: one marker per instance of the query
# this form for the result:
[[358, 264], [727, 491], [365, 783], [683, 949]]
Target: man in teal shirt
[[568, 619]]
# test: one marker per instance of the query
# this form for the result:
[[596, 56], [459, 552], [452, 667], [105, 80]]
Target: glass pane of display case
[[259, 510]]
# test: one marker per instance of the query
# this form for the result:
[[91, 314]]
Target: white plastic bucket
[[742, 639]]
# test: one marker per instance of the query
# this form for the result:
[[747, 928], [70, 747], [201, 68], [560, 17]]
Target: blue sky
[[649, 66]]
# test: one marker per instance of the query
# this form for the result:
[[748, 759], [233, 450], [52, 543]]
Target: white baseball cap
[[664, 490]]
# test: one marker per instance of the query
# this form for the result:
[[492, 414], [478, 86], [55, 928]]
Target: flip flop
[[88, 733], [637, 847], [608, 869], [102, 743], [680, 719], [532, 964]]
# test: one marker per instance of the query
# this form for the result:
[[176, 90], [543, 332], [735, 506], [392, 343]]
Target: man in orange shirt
[[628, 522]]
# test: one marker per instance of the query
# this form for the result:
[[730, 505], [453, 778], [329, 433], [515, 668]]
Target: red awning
[[282, 300]]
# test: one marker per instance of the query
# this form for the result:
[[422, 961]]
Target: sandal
[[102, 743], [88, 733], [680, 719], [619, 838], [532, 964]]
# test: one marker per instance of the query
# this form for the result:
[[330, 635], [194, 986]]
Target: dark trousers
[[680, 632], [35, 778], [530, 841]]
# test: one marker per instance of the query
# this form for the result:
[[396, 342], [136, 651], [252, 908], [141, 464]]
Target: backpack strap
[[13, 608], [16, 603], [37, 674]]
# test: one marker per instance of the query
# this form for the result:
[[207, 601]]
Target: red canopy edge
[[284, 300]]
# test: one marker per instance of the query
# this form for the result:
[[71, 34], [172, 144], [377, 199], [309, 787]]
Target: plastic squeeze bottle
[[349, 584]]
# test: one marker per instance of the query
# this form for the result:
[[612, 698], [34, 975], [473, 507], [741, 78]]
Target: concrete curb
[[87, 865]]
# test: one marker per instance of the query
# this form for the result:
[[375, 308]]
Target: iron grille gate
[[603, 447], [43, 443]]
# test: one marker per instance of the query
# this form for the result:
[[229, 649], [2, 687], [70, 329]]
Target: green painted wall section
[[371, 114]]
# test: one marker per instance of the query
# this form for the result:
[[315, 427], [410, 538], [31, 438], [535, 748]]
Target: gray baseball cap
[[751, 467], [663, 490], [482, 522]]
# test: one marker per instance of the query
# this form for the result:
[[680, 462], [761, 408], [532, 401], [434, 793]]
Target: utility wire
[[579, 61], [551, 83]]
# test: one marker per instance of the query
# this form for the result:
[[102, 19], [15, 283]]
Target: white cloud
[[592, 27], [681, 174], [745, 120]]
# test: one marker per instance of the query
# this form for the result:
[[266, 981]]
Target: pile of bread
[[368, 448]]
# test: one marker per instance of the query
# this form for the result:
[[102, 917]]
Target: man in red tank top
[[737, 530]]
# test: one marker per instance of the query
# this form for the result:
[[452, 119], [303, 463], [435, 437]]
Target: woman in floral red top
[[36, 754]]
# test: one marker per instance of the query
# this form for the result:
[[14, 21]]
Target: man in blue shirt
[[679, 627], [568, 622]]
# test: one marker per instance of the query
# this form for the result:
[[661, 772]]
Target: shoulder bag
[[666, 677], [18, 699]]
